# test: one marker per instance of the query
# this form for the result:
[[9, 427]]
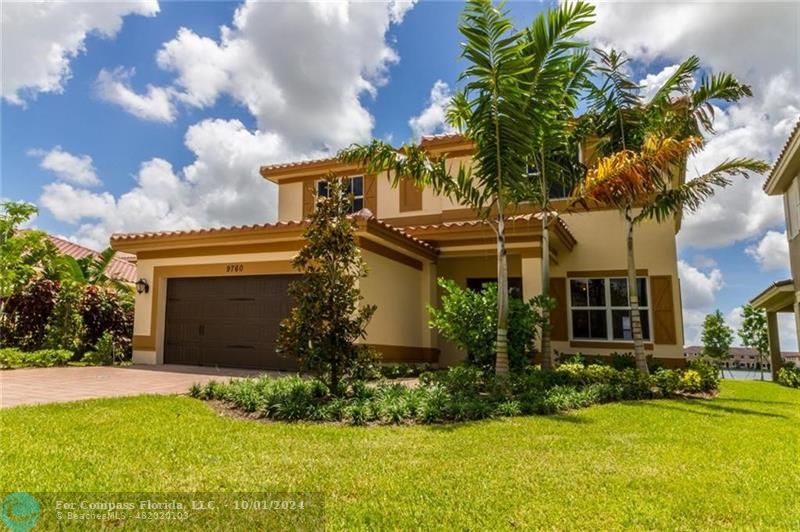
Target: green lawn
[[732, 462]]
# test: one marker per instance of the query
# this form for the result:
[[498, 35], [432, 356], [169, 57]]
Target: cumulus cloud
[[39, 39], [771, 252], [114, 87], [698, 289], [308, 91], [221, 187], [433, 118], [76, 169]]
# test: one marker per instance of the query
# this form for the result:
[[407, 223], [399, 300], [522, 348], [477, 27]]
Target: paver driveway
[[53, 385]]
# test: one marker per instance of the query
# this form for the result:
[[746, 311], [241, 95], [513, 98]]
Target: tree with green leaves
[[754, 334], [91, 270], [502, 108], [328, 317], [717, 338], [643, 147], [21, 251]]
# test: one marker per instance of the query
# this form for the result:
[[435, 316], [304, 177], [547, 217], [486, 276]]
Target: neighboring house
[[741, 357], [216, 296], [784, 296], [121, 267]]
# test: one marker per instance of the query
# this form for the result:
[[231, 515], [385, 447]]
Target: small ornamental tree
[[717, 338], [753, 333], [328, 319]]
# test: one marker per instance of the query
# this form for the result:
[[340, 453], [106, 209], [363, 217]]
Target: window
[[557, 190], [599, 309], [355, 189]]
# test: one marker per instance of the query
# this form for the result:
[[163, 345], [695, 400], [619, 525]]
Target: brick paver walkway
[[54, 385]]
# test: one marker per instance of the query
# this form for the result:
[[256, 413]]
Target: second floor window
[[355, 190]]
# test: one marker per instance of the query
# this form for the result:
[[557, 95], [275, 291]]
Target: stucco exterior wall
[[401, 294], [290, 202], [601, 246]]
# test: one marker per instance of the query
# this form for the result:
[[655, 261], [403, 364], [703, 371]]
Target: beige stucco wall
[[601, 246], [290, 202], [401, 294]]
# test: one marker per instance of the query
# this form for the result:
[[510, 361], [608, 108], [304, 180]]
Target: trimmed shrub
[[709, 374], [691, 381], [26, 315], [105, 311], [789, 376], [11, 357]]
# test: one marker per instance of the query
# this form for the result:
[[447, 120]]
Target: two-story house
[[784, 296], [216, 296]]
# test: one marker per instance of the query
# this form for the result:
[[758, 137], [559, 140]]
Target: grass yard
[[732, 462]]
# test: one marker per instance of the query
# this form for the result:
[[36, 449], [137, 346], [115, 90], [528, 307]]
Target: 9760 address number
[[234, 268]]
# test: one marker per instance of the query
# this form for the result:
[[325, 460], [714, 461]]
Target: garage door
[[227, 321]]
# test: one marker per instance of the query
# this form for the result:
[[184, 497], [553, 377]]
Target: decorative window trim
[[645, 311]]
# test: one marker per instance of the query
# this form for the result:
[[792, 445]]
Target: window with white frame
[[354, 189], [599, 308]]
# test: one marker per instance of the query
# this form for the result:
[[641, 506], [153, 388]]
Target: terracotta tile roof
[[121, 267], [441, 137], [300, 163], [784, 151], [364, 214], [476, 222]]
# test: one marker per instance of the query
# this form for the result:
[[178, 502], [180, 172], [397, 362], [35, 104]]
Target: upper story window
[[557, 190], [792, 206], [355, 189], [599, 308]]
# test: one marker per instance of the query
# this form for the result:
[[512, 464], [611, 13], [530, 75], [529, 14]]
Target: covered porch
[[780, 297]]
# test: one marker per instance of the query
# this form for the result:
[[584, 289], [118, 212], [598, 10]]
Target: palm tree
[[645, 147], [558, 77], [493, 111]]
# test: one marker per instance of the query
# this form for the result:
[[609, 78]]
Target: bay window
[[599, 308]]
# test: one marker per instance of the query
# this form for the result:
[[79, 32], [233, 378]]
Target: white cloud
[[433, 118], [651, 82], [70, 204], [771, 252], [703, 262], [698, 289], [114, 87], [76, 169], [299, 68], [221, 187], [39, 39]]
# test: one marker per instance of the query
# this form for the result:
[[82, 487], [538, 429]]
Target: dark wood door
[[227, 321]]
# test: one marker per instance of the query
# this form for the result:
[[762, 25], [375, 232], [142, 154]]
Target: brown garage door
[[227, 321]]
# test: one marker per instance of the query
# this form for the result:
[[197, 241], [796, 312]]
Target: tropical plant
[[21, 251], [754, 334], [644, 146], [328, 319], [468, 319], [26, 314], [558, 76], [494, 111], [92, 270], [716, 337]]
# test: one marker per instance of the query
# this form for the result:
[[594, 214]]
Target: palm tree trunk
[[501, 360], [633, 298], [548, 360]]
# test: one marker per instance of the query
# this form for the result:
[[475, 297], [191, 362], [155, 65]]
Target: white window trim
[[645, 312], [360, 196]]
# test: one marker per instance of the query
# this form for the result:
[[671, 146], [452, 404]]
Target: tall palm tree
[[644, 149], [493, 111], [560, 70]]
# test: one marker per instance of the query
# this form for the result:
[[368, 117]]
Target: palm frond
[[717, 87], [680, 81], [690, 195]]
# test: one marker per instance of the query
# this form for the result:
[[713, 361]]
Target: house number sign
[[234, 268]]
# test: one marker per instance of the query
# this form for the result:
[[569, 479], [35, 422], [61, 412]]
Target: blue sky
[[196, 122]]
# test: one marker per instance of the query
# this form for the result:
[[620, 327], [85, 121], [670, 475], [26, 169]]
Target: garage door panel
[[227, 321]]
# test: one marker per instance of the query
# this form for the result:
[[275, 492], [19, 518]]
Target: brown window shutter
[[410, 196], [558, 318], [308, 198], [663, 309], [371, 193]]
